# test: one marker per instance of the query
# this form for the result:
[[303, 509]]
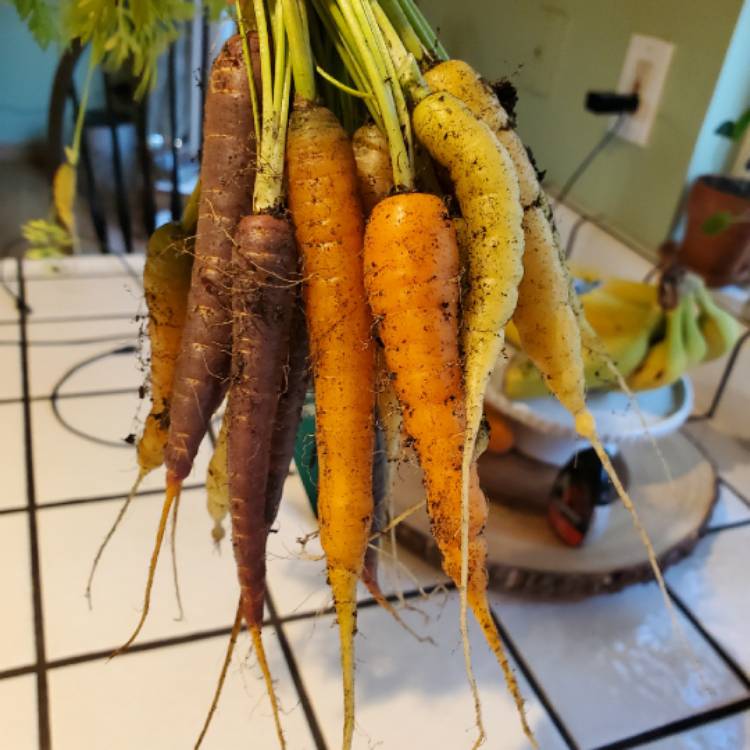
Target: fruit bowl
[[544, 430]]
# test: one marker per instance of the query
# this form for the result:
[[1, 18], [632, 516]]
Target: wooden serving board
[[525, 556]]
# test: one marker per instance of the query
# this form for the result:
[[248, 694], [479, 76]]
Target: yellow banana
[[621, 328], [637, 292], [667, 359], [523, 380]]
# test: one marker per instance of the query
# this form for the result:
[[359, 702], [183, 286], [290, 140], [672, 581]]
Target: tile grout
[[735, 491], [197, 635], [277, 623], [73, 318], [535, 685], [43, 717], [726, 527], [679, 726], [95, 499], [721, 652], [291, 663]]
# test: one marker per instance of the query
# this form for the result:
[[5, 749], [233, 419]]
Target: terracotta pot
[[722, 258]]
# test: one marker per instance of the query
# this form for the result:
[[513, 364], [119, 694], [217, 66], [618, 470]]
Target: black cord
[[72, 342], [586, 163], [130, 349]]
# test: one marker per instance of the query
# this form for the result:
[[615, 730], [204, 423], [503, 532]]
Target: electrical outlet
[[644, 72]]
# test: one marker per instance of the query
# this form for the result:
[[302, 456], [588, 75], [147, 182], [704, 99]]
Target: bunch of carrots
[[382, 265]]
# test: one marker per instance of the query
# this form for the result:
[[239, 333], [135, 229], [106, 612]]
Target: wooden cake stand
[[525, 556]]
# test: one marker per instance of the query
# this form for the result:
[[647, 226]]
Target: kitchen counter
[[607, 672]]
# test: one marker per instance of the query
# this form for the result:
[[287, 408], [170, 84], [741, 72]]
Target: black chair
[[134, 216]]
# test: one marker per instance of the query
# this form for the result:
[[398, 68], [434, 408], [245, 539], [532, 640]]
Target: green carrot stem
[[279, 48], [360, 28], [269, 181], [409, 74], [280, 142], [342, 86], [266, 76], [338, 32], [403, 27], [249, 67], [392, 75], [301, 51], [423, 29]]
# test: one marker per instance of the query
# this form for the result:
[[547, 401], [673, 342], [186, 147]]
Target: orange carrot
[[325, 205], [412, 277]]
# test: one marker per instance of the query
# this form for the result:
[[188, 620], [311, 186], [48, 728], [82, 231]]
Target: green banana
[[696, 347], [667, 359], [719, 329]]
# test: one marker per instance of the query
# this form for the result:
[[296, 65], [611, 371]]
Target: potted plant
[[717, 236]]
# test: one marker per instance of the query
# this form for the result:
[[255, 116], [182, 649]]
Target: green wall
[[25, 80], [556, 50]]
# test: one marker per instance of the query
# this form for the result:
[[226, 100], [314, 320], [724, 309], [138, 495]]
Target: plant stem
[[75, 148], [279, 49], [301, 51], [342, 86], [403, 28], [360, 28], [392, 75], [409, 75], [249, 68], [338, 32], [423, 29], [269, 180]]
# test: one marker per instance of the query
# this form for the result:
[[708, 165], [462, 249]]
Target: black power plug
[[611, 103]]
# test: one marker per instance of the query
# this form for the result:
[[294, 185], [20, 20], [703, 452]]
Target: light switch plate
[[645, 72]]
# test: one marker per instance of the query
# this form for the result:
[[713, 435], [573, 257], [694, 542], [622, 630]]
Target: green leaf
[[41, 18], [718, 223], [726, 129], [741, 126], [734, 130]]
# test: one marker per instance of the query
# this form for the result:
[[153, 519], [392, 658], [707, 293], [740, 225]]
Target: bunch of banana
[[697, 330], [650, 346]]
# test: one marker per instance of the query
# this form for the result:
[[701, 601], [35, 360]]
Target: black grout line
[[95, 499], [679, 726], [368, 603], [139, 648], [198, 635], [291, 663], [85, 658], [726, 527], [74, 318], [42, 688], [9, 674], [535, 684], [84, 277], [735, 491], [733, 666]]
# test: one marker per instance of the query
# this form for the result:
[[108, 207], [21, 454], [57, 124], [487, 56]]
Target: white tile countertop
[[606, 673]]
